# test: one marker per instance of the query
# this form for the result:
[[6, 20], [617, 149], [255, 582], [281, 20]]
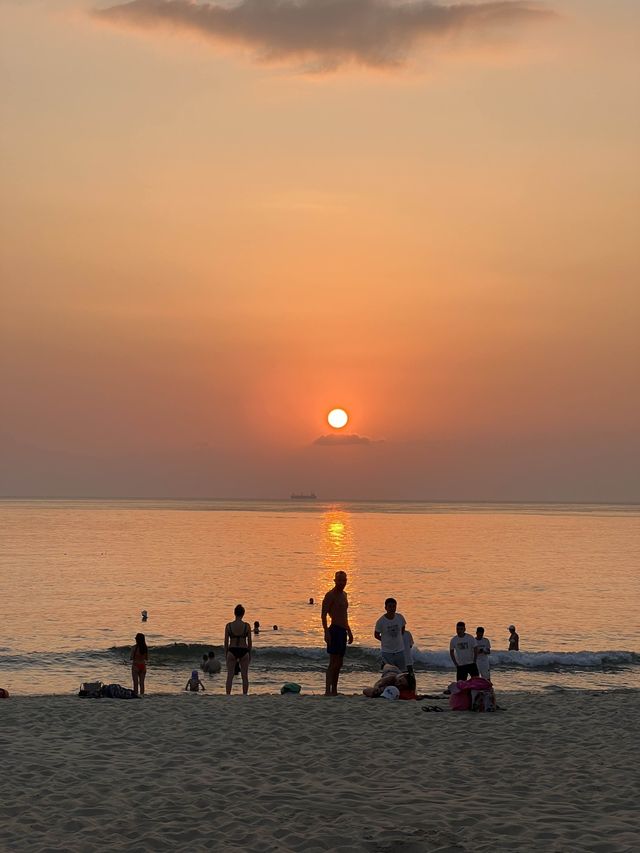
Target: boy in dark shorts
[[464, 651]]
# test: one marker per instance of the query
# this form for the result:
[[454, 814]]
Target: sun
[[337, 418]]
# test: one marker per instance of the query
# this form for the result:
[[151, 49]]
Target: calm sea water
[[75, 575]]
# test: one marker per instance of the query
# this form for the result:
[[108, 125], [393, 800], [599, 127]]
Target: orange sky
[[202, 253]]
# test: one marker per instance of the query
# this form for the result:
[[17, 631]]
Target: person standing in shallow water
[[335, 605], [237, 649], [139, 660], [514, 639]]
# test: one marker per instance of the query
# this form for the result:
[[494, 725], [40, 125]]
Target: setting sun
[[337, 418]]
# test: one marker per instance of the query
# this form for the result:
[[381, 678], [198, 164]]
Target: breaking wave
[[302, 658]]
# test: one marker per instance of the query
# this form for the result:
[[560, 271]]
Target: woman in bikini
[[237, 648], [139, 660]]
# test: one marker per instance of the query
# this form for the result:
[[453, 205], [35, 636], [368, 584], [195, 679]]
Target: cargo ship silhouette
[[302, 496]]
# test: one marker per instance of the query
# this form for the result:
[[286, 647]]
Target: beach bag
[[460, 700], [483, 700], [290, 687], [462, 693], [476, 683], [116, 691], [91, 689]]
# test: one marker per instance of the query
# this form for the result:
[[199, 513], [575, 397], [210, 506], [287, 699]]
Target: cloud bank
[[326, 34], [342, 439]]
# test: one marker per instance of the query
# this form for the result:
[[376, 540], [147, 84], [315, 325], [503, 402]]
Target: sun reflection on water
[[338, 552]]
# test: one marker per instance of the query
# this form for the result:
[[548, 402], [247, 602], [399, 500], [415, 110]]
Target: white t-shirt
[[484, 647], [462, 648], [390, 631]]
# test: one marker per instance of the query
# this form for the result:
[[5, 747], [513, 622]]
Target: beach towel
[[407, 694]]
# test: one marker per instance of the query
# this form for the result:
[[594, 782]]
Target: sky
[[220, 220]]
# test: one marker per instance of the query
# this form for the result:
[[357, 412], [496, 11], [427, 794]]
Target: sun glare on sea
[[337, 418]]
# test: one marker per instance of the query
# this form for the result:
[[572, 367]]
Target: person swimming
[[210, 664]]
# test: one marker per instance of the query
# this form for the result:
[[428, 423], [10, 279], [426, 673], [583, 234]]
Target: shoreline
[[304, 773], [433, 693]]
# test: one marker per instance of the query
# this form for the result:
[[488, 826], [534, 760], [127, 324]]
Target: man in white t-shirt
[[464, 651], [389, 631], [484, 650]]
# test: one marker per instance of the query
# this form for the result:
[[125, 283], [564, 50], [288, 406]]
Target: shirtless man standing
[[338, 634]]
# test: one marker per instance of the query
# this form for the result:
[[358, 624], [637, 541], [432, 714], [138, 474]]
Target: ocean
[[75, 576]]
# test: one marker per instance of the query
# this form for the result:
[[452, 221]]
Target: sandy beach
[[553, 773]]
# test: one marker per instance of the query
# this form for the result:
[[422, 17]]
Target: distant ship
[[301, 496]]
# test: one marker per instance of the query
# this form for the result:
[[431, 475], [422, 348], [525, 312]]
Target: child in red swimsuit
[[139, 660]]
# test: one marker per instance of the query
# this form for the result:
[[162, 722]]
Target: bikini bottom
[[239, 652]]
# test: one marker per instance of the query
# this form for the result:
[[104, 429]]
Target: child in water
[[194, 684]]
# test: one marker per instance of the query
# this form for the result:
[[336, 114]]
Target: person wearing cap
[[194, 684], [464, 652], [514, 639], [392, 677]]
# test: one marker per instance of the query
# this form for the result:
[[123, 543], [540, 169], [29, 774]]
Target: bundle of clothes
[[98, 690]]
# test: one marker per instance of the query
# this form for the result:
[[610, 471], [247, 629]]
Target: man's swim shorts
[[337, 644]]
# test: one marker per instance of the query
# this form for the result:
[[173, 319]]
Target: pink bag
[[460, 699], [475, 683]]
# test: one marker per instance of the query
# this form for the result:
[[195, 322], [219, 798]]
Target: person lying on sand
[[392, 677]]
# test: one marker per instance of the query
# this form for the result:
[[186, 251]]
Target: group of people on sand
[[470, 655]]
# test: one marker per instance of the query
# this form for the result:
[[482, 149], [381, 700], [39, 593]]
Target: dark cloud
[[342, 438], [326, 34]]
